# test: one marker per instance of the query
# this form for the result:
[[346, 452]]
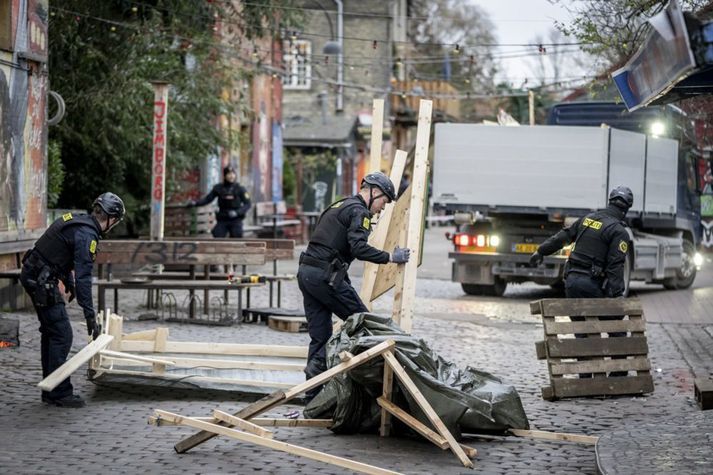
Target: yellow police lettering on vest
[[590, 223], [366, 223], [623, 246], [66, 216]]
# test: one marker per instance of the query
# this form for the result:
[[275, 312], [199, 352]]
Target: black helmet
[[382, 182], [111, 205], [229, 169], [622, 196]]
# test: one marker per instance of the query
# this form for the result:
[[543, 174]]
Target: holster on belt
[[336, 271]]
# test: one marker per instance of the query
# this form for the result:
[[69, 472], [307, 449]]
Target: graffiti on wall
[[23, 129]]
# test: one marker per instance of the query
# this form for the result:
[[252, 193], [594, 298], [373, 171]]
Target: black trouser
[[234, 227], [580, 285], [320, 302]]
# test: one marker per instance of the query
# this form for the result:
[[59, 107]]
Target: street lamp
[[335, 47]]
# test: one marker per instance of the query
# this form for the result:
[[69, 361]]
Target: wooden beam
[[115, 329], [413, 423], [377, 131], [281, 397], [206, 348], [541, 434], [403, 309], [426, 407], [242, 424], [73, 364], [222, 364], [209, 379], [159, 343], [274, 444], [387, 390], [128, 356], [260, 421], [589, 307], [147, 335], [378, 237]]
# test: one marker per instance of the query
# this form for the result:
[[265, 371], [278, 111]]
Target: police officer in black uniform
[[69, 244], [233, 204], [595, 268], [340, 237]]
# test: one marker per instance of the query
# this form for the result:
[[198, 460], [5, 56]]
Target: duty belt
[[313, 262]]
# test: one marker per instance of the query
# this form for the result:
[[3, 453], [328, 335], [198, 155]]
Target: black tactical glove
[[400, 255], [536, 259], [93, 328]]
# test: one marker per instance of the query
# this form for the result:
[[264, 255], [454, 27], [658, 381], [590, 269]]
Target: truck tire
[[495, 290], [687, 273]]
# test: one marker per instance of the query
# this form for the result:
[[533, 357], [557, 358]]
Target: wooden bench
[[198, 221], [598, 355], [274, 222], [188, 253]]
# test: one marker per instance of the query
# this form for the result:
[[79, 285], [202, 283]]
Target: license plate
[[525, 248]]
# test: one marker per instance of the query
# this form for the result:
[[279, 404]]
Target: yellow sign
[[66, 216], [526, 248], [590, 223], [93, 249], [366, 223], [623, 246]]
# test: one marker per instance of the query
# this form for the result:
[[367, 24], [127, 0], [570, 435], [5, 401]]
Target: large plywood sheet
[[627, 164], [661, 172]]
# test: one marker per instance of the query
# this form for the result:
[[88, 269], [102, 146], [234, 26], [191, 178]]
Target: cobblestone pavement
[[493, 334]]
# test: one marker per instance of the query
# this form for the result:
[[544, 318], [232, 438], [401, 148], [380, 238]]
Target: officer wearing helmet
[[340, 236], [233, 204], [595, 267], [69, 244]]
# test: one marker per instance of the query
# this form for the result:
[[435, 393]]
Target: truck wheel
[[687, 273], [472, 289], [497, 289]]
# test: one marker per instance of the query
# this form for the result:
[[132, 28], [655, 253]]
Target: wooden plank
[[115, 329], [544, 435], [598, 326], [387, 274], [591, 307], [639, 363], [146, 335], [274, 444], [611, 386], [280, 397], [287, 324], [181, 362], [413, 423], [387, 392], [410, 386], [260, 421], [192, 347], [578, 347], [377, 239], [128, 356], [139, 252], [322, 378], [73, 364], [377, 131], [541, 350], [242, 424], [159, 344], [403, 309]]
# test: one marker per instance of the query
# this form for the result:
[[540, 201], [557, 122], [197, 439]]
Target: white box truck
[[512, 187]]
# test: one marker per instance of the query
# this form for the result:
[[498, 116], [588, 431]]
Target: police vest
[[590, 246], [229, 197], [55, 248], [331, 232]]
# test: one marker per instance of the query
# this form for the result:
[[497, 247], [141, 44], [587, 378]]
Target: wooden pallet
[[598, 354], [287, 324], [703, 390], [262, 314]]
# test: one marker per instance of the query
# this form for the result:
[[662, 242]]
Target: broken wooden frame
[[224, 424], [148, 354], [567, 357]]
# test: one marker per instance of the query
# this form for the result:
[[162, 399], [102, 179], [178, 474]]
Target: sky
[[520, 21]]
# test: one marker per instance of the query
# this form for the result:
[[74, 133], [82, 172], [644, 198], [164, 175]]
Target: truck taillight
[[484, 241], [480, 240], [461, 240]]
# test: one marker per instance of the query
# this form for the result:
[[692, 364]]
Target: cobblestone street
[[496, 335]]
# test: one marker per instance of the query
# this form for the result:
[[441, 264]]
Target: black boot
[[72, 400]]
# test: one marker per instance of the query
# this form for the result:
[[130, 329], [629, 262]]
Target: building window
[[298, 72]]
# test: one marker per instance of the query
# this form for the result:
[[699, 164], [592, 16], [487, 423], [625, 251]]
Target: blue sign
[[664, 59]]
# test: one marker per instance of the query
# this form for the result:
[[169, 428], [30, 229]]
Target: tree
[[102, 57], [457, 39]]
